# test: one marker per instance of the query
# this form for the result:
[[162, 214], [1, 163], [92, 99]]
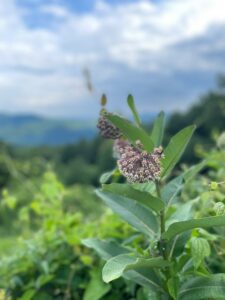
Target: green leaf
[[182, 213], [176, 246], [116, 266], [147, 294], [142, 294], [147, 278], [193, 171], [148, 187], [144, 198], [175, 149], [106, 176], [179, 227], [170, 191], [158, 129], [130, 101], [28, 295], [42, 280], [43, 296], [105, 249], [96, 288], [173, 286], [200, 249], [137, 215], [201, 288], [141, 275], [131, 132]]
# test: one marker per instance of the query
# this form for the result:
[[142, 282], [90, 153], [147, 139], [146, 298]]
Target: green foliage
[[130, 102], [53, 264], [179, 227], [174, 248], [158, 129], [173, 257], [131, 132], [197, 288], [200, 249], [175, 149], [130, 210], [118, 265], [130, 192], [96, 288]]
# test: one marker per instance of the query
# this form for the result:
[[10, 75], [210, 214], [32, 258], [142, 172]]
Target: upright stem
[[162, 242], [162, 223], [162, 212]]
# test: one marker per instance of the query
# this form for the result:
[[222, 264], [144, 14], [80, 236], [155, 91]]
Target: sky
[[58, 56]]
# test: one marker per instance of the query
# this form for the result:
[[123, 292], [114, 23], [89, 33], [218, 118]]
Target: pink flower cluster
[[138, 165], [107, 129]]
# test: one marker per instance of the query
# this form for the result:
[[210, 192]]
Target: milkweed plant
[[171, 260]]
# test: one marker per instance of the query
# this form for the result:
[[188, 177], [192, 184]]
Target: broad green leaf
[[96, 288], [175, 149], [176, 246], [28, 295], [131, 132], [131, 103], [148, 187], [158, 129], [147, 294], [179, 227], [202, 288], [173, 286], [142, 294], [182, 213], [144, 198], [141, 275], [147, 278], [170, 191], [106, 176], [116, 266], [105, 249], [200, 249], [194, 170], [42, 280], [137, 215], [42, 295]]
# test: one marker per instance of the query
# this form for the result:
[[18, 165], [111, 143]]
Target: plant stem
[[162, 212], [162, 223], [162, 243]]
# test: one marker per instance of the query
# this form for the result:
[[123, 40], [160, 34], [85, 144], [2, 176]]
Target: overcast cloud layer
[[165, 52]]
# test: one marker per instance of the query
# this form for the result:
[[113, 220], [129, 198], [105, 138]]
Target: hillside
[[32, 130]]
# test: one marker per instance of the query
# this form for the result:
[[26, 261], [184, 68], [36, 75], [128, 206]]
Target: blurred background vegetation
[[48, 206]]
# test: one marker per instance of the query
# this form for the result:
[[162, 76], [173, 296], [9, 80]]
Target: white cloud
[[55, 10], [41, 67]]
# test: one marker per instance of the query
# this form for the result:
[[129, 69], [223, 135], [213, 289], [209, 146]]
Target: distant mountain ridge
[[32, 130]]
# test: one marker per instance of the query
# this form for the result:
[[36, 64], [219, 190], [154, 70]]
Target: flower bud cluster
[[107, 129], [137, 165], [119, 147]]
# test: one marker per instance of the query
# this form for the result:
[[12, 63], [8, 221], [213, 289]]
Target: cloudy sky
[[165, 52]]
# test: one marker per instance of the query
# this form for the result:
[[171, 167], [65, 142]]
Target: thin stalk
[[162, 223], [162, 212], [162, 243]]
